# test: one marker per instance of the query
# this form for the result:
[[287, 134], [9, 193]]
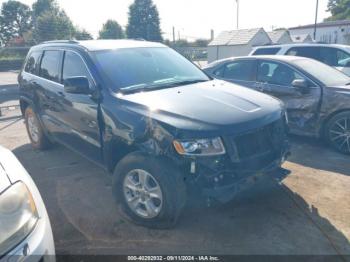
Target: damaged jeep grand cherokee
[[154, 120]]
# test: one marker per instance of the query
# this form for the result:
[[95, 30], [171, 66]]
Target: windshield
[[136, 69], [329, 76]]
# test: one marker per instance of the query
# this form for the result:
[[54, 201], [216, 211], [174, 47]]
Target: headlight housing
[[18, 216], [200, 147]]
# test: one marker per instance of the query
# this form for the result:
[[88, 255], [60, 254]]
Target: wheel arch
[[328, 118], [24, 103]]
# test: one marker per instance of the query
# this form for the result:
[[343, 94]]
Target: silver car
[[25, 229]]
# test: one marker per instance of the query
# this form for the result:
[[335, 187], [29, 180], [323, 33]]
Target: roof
[[301, 38], [282, 58], [324, 24], [235, 37], [344, 47], [95, 45], [275, 36]]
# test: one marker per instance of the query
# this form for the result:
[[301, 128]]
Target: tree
[[82, 34], [201, 43], [111, 30], [340, 9], [144, 21], [43, 6], [50, 26], [15, 20]]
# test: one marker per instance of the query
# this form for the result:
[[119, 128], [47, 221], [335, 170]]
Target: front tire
[[149, 191], [35, 131], [337, 132]]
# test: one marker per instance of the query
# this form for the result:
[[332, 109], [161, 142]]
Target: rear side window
[[267, 51], [306, 51], [328, 55], [74, 66], [32, 63], [239, 70], [49, 68]]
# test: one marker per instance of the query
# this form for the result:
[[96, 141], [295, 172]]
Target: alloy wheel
[[33, 128], [340, 134], [143, 193]]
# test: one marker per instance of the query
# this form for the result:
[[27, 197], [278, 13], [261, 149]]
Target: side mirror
[[302, 85], [77, 85]]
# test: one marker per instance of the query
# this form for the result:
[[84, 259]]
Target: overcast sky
[[195, 18]]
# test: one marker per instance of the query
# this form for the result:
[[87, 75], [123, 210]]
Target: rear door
[[80, 110], [49, 90], [241, 71], [276, 79]]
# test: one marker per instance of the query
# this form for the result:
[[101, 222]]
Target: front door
[[276, 79], [80, 111]]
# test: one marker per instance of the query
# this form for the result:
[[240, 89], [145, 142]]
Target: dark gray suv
[[154, 120]]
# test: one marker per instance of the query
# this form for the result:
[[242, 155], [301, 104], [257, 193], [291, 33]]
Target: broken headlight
[[18, 216], [200, 147]]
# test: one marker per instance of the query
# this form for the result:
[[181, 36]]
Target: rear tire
[[149, 191], [337, 132], [35, 131]]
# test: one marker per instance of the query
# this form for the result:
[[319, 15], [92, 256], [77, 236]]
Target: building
[[236, 43], [331, 32], [303, 38], [280, 37]]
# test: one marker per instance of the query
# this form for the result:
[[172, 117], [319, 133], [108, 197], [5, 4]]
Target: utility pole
[[237, 3], [174, 34], [315, 28]]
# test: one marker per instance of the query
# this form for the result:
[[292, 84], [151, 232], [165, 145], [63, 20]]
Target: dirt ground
[[308, 214]]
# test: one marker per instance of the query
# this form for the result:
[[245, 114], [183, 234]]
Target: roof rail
[[61, 42]]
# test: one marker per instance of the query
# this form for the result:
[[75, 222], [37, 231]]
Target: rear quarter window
[[267, 51], [32, 62]]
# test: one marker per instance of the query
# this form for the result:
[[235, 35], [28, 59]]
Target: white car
[[25, 229], [337, 56]]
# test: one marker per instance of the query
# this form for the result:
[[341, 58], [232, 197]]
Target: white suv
[[337, 56]]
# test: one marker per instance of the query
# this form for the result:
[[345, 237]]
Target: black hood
[[207, 106]]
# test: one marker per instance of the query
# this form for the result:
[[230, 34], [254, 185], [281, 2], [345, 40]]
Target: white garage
[[236, 43]]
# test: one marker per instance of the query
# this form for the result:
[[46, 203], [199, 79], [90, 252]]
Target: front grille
[[260, 142]]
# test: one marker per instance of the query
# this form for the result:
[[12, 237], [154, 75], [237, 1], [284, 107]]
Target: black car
[[316, 95], [153, 119]]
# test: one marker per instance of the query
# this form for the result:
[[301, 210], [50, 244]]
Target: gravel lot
[[308, 214]]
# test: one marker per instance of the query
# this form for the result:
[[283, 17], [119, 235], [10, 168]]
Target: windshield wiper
[[152, 87]]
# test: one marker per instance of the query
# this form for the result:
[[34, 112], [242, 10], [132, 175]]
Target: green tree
[[15, 20], [111, 30], [144, 21], [43, 6], [50, 26], [340, 9], [82, 34], [201, 43]]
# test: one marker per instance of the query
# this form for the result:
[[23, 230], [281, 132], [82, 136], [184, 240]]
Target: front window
[[276, 74], [135, 69], [329, 76]]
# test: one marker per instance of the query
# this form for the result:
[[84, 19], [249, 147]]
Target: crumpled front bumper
[[227, 193], [222, 181]]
